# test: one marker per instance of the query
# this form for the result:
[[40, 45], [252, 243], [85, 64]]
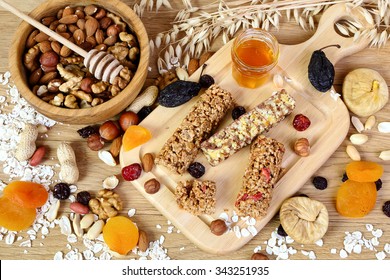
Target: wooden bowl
[[90, 115]]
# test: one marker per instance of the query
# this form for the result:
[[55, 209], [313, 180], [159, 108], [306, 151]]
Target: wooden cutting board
[[329, 126]]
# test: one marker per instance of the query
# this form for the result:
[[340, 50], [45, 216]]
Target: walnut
[[96, 101], [165, 79], [30, 58], [57, 100], [119, 51], [71, 102], [119, 82], [78, 60], [82, 95], [126, 74], [133, 53], [72, 84], [66, 74], [99, 87], [106, 204]]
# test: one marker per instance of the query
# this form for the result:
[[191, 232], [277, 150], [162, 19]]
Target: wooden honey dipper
[[102, 65]]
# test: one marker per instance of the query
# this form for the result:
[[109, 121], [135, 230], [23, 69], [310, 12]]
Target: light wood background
[[147, 217]]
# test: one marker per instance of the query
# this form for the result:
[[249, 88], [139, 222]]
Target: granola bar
[[196, 197], [260, 177], [183, 146], [242, 131]]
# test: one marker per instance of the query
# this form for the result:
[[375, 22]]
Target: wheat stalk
[[195, 28]]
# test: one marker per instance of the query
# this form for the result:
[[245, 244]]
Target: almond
[[40, 37], [56, 46], [204, 57], [45, 46], [79, 36], [90, 9], [99, 36], [38, 156], [143, 241], [68, 11], [116, 146], [31, 39], [147, 162], [69, 19], [193, 65], [91, 25]]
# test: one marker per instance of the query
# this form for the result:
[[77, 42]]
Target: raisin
[[131, 172], [196, 170], [178, 93], [281, 231], [378, 184], [61, 191], [386, 208], [237, 112], [320, 183], [144, 112], [321, 70], [85, 132], [206, 81], [344, 178], [83, 197], [301, 122]]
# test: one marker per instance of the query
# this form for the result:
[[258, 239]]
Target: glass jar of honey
[[255, 53]]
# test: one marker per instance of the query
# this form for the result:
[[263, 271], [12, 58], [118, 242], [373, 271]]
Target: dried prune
[[87, 131], [301, 122], [281, 231], [344, 178], [131, 172], [83, 197], [178, 93], [386, 208], [237, 112], [61, 191], [378, 184], [144, 112], [321, 70], [320, 183], [196, 170], [206, 81]]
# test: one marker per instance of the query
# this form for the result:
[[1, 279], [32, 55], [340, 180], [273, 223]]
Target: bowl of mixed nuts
[[53, 78]]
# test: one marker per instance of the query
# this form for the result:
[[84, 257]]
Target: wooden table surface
[[147, 217]]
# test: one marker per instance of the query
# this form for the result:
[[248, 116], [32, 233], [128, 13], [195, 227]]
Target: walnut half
[[106, 204]]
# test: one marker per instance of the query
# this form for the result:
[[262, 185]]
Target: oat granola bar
[[183, 146], [260, 177], [196, 197], [242, 131]]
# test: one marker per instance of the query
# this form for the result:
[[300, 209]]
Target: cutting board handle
[[294, 61]]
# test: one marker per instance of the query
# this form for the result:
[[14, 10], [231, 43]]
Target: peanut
[[95, 229], [146, 98], [79, 208], [38, 156], [27, 146], [69, 172]]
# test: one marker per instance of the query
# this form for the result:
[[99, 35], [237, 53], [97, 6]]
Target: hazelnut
[[218, 227], [302, 147], [152, 186], [49, 59], [259, 256], [86, 84], [95, 142], [127, 119], [113, 30], [109, 130]]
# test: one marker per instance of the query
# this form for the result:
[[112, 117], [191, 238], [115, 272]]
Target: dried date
[[321, 71], [178, 93]]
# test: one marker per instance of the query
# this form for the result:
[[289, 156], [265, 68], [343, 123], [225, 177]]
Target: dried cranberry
[[61, 191], [301, 122], [378, 184], [345, 177], [386, 208], [281, 231], [131, 172], [206, 81], [320, 183], [238, 112], [196, 169], [85, 132], [83, 197]]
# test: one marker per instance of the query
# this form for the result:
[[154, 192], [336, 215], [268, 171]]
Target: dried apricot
[[364, 171], [26, 194], [355, 199], [15, 217], [120, 234], [135, 136]]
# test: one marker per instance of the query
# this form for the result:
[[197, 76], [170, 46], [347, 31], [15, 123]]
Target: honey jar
[[255, 53]]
